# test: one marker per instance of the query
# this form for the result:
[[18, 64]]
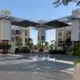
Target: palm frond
[[65, 2], [56, 2], [58, 5], [78, 4]]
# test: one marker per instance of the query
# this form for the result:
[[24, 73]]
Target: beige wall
[[76, 75], [62, 30], [27, 32]]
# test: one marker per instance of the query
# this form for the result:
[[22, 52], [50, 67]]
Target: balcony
[[16, 32]]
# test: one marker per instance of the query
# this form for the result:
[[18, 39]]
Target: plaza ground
[[41, 66]]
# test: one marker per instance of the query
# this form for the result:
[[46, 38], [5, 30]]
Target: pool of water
[[35, 58]]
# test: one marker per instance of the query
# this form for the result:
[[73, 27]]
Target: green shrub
[[24, 50], [76, 62], [18, 41], [77, 53], [69, 50], [77, 49]]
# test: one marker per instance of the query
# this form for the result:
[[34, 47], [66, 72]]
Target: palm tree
[[53, 44], [29, 43], [39, 45], [65, 2], [52, 41], [18, 41], [46, 44]]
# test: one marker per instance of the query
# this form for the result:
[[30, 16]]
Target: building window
[[25, 33], [59, 34], [13, 31], [60, 39], [42, 38], [17, 32], [12, 39], [26, 40], [38, 37], [60, 42], [69, 32]]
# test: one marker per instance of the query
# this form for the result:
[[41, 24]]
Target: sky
[[37, 10]]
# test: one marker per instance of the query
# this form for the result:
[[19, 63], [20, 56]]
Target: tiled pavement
[[34, 76], [35, 69]]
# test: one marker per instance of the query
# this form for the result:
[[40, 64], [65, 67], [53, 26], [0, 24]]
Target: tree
[[46, 44], [52, 41], [39, 45], [53, 44], [65, 2], [18, 41], [29, 42]]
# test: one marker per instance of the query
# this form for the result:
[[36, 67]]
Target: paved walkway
[[9, 56], [37, 67], [34, 76]]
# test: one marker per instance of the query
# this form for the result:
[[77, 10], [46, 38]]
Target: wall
[[41, 33], [5, 26], [62, 30]]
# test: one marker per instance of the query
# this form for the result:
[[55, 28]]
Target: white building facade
[[73, 30], [62, 34], [9, 32]]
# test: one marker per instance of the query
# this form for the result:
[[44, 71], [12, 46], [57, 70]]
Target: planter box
[[22, 50], [76, 75], [56, 52]]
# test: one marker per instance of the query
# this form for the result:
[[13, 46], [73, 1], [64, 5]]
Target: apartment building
[[62, 34], [23, 33]]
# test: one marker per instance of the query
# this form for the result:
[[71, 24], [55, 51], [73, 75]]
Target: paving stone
[[35, 70]]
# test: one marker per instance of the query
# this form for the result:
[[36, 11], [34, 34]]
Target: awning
[[56, 24], [24, 23], [18, 21], [27, 23]]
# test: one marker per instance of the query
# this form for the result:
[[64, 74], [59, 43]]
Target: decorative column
[[41, 34], [23, 37], [75, 36], [75, 29], [5, 30], [5, 35]]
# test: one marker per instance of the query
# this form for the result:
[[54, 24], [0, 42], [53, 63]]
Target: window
[[13, 31], [59, 34], [25, 39], [25, 33], [60, 39], [60, 42], [38, 37], [42, 38], [17, 32], [12, 39], [69, 32]]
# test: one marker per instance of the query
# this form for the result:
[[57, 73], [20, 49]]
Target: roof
[[26, 23], [18, 21], [56, 24]]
